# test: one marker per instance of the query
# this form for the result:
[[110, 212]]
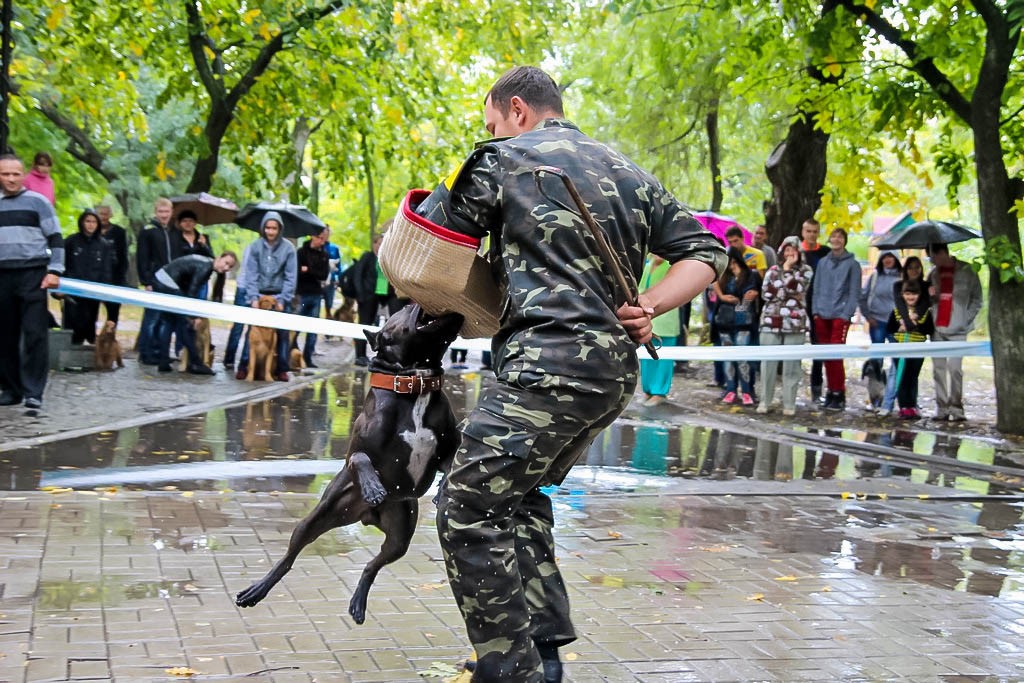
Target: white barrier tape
[[824, 351], [325, 326], [210, 309]]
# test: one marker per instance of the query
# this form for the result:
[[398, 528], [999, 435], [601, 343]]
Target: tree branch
[[275, 45], [79, 144], [925, 67], [198, 41]]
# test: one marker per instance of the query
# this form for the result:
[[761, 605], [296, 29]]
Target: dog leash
[[406, 384], [623, 278]]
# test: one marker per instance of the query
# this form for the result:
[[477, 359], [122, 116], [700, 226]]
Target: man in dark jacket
[[314, 271], [118, 236], [156, 248], [365, 275], [564, 358], [90, 256], [186, 276], [30, 263], [812, 252]]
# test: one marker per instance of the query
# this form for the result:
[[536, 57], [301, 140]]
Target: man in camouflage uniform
[[564, 358]]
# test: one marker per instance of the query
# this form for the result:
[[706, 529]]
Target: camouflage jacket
[[559, 320]]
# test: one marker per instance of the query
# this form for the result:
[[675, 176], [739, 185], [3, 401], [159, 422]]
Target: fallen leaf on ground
[[183, 671], [786, 578], [756, 596], [615, 534]]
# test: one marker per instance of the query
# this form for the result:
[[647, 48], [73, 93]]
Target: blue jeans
[[149, 337], [309, 306], [737, 372], [879, 335], [235, 336]]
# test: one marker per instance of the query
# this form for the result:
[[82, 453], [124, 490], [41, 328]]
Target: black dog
[[405, 434]]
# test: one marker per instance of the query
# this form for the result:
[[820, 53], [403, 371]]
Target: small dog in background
[[203, 344], [346, 312], [262, 345], [296, 363], [875, 375], [108, 350]]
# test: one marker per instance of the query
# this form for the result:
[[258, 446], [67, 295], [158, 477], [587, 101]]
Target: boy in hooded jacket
[[271, 268]]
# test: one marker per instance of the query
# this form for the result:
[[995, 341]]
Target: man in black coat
[[372, 292], [314, 270], [118, 236], [156, 248]]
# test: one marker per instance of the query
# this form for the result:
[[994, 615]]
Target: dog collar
[[406, 384]]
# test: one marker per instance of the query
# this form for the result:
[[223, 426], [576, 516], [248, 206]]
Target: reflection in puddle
[[695, 451], [109, 592], [967, 547]]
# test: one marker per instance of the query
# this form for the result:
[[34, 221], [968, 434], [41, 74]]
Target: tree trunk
[[371, 198], [796, 169], [714, 156], [1005, 314]]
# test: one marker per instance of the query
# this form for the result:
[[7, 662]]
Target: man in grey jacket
[[956, 300], [271, 267], [31, 261], [836, 293]]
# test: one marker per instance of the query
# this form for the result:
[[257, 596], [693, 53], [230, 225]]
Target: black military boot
[[836, 401], [552, 663]]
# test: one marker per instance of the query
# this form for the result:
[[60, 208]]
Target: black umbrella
[[920, 235], [209, 210], [298, 220]]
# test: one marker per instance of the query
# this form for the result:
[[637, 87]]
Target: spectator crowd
[[801, 291]]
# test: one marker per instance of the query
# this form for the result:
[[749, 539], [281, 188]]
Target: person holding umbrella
[[271, 267], [955, 292]]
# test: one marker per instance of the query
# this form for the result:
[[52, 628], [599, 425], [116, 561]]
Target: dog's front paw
[[251, 595], [373, 492], [357, 609]]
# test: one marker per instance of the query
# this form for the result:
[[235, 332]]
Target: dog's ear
[[372, 338]]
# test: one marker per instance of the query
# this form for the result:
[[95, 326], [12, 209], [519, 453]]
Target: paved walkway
[[697, 581], [669, 587]]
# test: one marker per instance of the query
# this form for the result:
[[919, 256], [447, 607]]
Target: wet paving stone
[[706, 588]]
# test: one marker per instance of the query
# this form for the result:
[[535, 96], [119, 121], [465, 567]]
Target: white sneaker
[[789, 412], [762, 408]]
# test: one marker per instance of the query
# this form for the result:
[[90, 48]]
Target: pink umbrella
[[717, 224]]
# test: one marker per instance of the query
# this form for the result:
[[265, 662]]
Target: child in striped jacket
[[910, 321]]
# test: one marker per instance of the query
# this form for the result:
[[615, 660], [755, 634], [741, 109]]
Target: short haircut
[[11, 157], [734, 231], [162, 201], [42, 158], [813, 221], [937, 248], [188, 213], [534, 86], [841, 231]]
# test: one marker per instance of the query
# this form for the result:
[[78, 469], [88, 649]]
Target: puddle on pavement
[[296, 442], [108, 592], [974, 547]]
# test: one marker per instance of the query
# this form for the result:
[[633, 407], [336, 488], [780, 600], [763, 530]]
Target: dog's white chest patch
[[421, 440]]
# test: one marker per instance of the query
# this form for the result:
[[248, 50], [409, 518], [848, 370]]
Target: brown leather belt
[[406, 384]]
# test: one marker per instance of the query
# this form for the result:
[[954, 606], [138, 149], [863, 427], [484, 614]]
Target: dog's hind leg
[[398, 522], [330, 513]]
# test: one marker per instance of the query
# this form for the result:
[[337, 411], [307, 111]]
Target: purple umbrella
[[717, 224]]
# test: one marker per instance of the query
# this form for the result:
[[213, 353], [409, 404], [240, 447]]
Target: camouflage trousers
[[495, 523]]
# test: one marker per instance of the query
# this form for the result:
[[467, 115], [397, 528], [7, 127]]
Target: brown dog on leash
[[405, 434], [203, 344], [262, 345], [108, 350]]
